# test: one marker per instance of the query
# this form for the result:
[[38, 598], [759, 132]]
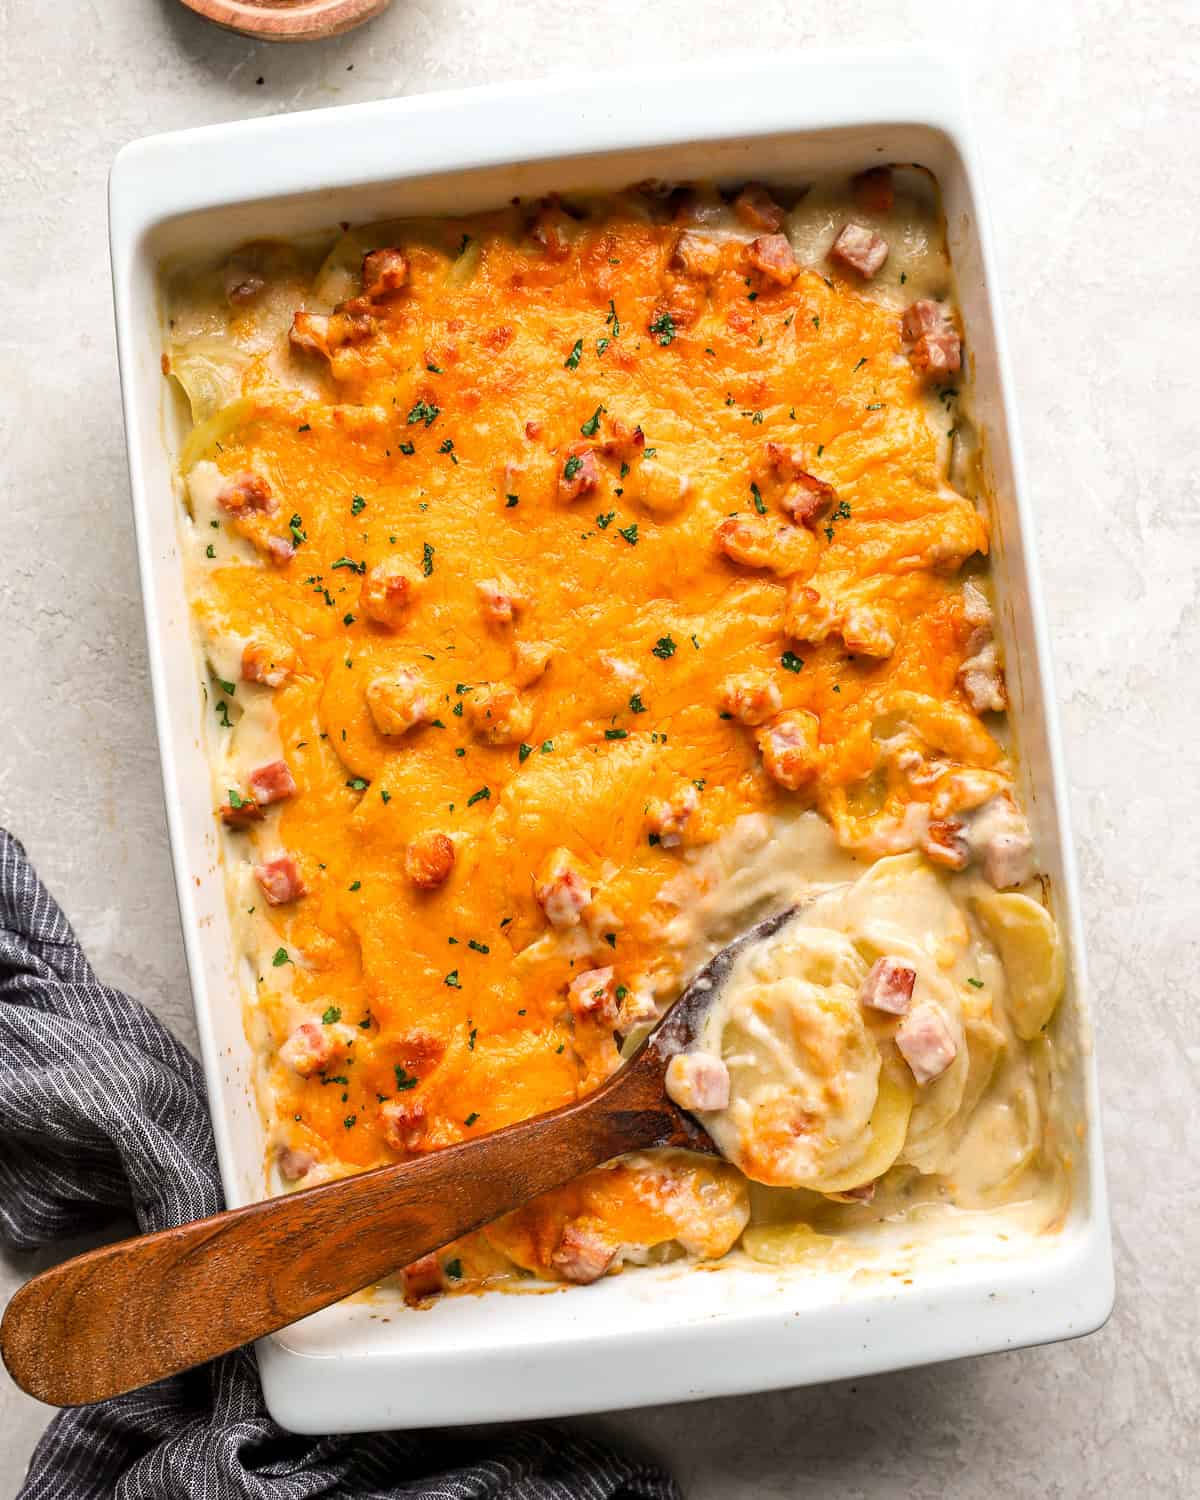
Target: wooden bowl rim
[[287, 20]]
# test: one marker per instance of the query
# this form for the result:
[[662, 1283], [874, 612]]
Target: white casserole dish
[[651, 1335]]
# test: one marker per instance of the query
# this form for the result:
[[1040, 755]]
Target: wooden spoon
[[288, 20], [130, 1313]]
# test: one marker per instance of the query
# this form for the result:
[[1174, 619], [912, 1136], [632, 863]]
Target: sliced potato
[[202, 442], [885, 1135], [1027, 940], [783, 1244]]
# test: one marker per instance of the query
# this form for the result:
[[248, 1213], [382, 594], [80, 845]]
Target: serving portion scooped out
[[575, 584]]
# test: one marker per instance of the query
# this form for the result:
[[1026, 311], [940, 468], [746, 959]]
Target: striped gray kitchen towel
[[102, 1113]]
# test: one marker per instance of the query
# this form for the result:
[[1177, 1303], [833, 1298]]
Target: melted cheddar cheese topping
[[541, 551]]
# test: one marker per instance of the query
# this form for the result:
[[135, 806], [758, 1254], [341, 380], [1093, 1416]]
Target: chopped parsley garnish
[[210, 550], [605, 521], [435, 370], [524, 752], [408, 449], [612, 320], [224, 721], [547, 746], [332, 1014], [348, 562], [861, 362], [357, 505], [452, 980], [572, 360], [655, 839], [471, 1038], [630, 533], [592, 426], [296, 527], [358, 784], [790, 662], [236, 801], [663, 328], [616, 734], [348, 619], [976, 984], [350, 1121], [404, 1079], [281, 958], [480, 796], [601, 346], [759, 503], [636, 706], [477, 947], [611, 939], [427, 560], [511, 500], [454, 1267], [572, 466], [304, 427], [664, 648], [423, 411], [386, 795], [355, 885], [471, 1118], [875, 406]]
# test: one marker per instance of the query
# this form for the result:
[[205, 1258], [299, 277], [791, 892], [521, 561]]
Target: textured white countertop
[[1089, 122]]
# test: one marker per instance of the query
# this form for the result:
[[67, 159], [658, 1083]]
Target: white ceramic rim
[[613, 1350]]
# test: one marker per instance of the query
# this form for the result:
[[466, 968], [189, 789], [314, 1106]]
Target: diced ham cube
[[533, 431], [808, 497], [1008, 856], [945, 844], [859, 249], [582, 1256], [310, 331], [809, 615], [698, 1081], [402, 1122], [750, 697], [755, 207], [500, 600], [982, 681], [398, 701], [926, 1043], [561, 889], [245, 493], [592, 993], [383, 272], [280, 550], [268, 662], [772, 255], [280, 880], [580, 473], [531, 661], [621, 440], [868, 631], [323, 335], [242, 813], [424, 1278], [790, 748], [550, 230], [272, 782], [874, 191], [936, 349], [428, 861], [975, 607], [758, 542], [293, 1164], [696, 255], [498, 714], [635, 1010], [312, 1047], [668, 817], [889, 986], [937, 355], [388, 592]]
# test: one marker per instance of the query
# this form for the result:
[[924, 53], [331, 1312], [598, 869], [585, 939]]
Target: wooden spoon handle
[[131, 1313]]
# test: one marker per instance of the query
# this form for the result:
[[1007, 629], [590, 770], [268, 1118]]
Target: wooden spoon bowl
[[288, 20], [134, 1312]]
